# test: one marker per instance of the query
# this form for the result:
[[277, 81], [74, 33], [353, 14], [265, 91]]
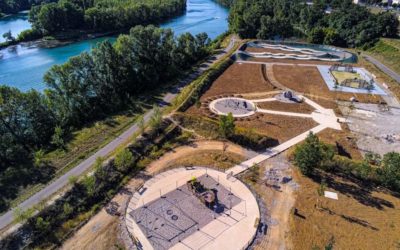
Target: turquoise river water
[[23, 67]]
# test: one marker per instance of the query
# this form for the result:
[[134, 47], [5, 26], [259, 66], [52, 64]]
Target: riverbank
[[35, 58]]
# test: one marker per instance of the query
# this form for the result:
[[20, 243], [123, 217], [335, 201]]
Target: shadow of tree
[[352, 187], [350, 219]]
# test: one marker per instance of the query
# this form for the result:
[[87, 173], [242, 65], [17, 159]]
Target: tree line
[[314, 155], [15, 6], [100, 15], [347, 24], [88, 87]]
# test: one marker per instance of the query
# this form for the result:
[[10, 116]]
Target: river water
[[15, 23], [24, 67]]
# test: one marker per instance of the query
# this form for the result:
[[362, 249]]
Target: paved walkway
[[62, 181], [273, 151], [383, 67], [325, 117]]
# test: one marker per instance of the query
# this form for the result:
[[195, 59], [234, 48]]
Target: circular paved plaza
[[239, 107], [166, 214]]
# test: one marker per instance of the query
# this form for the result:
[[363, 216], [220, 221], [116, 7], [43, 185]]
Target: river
[[24, 67], [15, 23]]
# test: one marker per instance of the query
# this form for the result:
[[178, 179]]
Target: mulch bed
[[279, 127], [287, 107], [308, 80]]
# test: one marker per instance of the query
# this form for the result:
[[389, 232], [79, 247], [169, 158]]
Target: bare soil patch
[[279, 127], [308, 80], [288, 107], [102, 230], [238, 79], [360, 219]]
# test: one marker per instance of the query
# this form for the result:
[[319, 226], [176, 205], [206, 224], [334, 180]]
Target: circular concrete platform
[[239, 107], [166, 214]]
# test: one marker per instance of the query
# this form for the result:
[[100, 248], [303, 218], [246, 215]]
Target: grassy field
[[362, 217], [388, 52]]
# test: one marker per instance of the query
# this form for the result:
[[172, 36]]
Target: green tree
[[20, 215], [39, 158], [309, 155], [57, 138], [141, 124], [226, 125], [389, 172], [156, 118], [8, 36], [317, 35], [124, 160], [42, 225]]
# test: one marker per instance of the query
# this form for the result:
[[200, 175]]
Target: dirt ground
[[239, 78], [279, 127], [278, 202], [345, 142], [102, 231], [308, 80], [359, 219], [288, 107]]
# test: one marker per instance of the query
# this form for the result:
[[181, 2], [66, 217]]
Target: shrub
[[29, 35], [124, 160], [311, 154]]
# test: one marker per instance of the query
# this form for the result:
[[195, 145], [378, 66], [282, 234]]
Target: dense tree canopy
[[87, 87], [15, 6], [101, 15], [347, 25]]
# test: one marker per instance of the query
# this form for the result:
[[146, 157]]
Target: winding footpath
[[51, 189]]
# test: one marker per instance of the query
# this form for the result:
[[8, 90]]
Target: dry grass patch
[[238, 79], [344, 141], [279, 127], [287, 107], [213, 158], [360, 219], [308, 80]]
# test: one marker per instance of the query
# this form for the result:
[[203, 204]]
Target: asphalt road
[[56, 185], [383, 67]]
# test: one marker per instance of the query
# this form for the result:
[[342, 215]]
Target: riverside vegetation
[[89, 87]]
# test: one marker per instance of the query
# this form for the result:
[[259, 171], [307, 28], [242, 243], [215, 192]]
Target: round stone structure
[[165, 214], [239, 107]]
